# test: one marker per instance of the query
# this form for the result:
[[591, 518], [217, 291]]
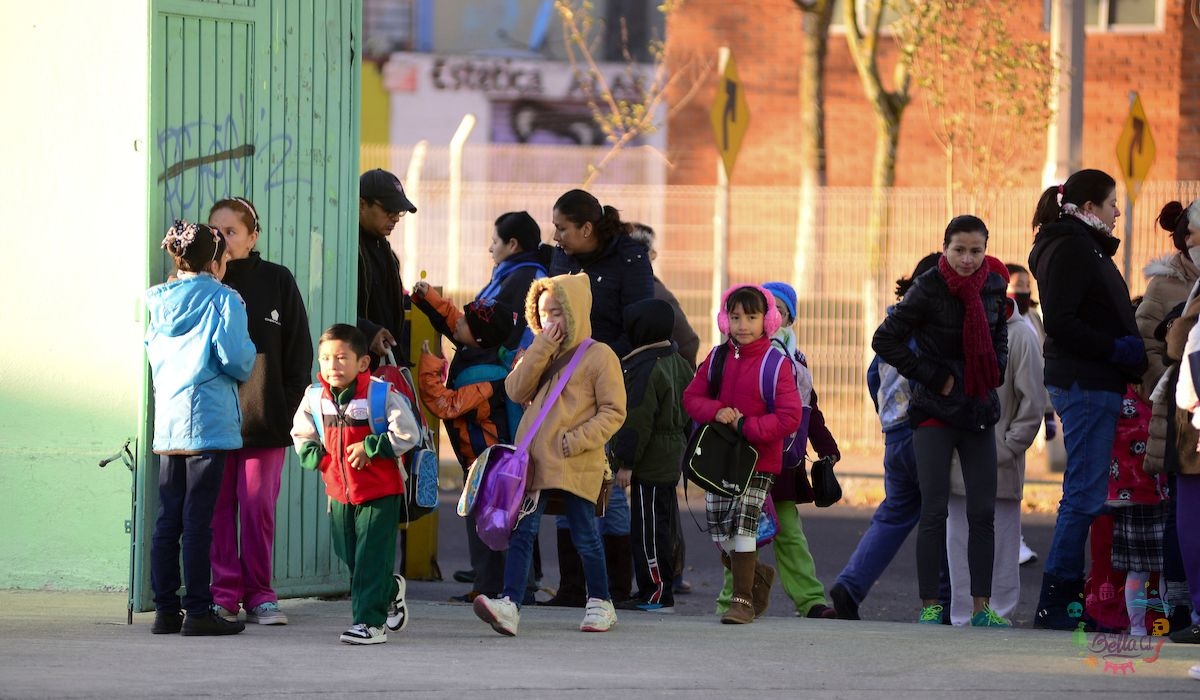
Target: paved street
[[57, 645]]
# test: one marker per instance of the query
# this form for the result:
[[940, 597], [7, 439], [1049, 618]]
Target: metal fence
[[840, 299]]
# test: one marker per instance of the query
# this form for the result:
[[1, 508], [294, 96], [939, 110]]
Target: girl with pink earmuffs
[[748, 319]]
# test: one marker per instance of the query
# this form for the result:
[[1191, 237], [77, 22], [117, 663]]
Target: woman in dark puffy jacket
[[956, 314], [1093, 350], [593, 240]]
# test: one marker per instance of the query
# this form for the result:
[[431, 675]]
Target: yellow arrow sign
[[1135, 148], [729, 114]]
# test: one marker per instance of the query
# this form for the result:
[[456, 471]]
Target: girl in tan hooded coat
[[567, 455]]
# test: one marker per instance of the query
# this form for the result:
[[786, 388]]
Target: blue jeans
[[1089, 420], [187, 492], [895, 517], [581, 519], [615, 521]]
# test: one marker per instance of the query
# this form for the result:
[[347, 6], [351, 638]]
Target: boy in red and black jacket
[[361, 477]]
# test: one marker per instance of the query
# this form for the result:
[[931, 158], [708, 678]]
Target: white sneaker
[[1026, 554], [364, 634], [224, 613], [501, 613], [599, 616], [1194, 672], [397, 617]]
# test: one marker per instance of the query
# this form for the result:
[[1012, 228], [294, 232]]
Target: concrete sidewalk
[[57, 645]]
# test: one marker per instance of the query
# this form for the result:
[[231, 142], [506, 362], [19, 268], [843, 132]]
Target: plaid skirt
[[1138, 537], [730, 517]]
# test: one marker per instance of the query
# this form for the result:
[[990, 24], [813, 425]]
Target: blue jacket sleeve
[[231, 341]]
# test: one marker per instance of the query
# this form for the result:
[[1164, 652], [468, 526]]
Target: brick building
[[1141, 48]]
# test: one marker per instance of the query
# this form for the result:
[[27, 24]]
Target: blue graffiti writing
[[195, 175]]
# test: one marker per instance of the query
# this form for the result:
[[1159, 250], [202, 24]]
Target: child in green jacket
[[649, 447]]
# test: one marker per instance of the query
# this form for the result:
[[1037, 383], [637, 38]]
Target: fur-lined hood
[[574, 292], [1177, 265]]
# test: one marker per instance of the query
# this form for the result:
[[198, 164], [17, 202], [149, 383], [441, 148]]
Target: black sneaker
[[465, 576], [167, 622], [1187, 635], [209, 625], [843, 603]]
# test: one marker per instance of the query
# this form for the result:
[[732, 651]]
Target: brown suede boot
[[764, 576], [741, 605]]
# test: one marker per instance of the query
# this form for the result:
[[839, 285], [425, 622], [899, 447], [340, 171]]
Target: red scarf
[[981, 373]]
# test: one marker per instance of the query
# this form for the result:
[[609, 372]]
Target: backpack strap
[[377, 392], [768, 376], [716, 369], [313, 396]]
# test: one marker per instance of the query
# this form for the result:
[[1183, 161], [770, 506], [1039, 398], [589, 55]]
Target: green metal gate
[[260, 99]]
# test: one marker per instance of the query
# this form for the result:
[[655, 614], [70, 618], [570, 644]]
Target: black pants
[[653, 511], [935, 446], [187, 493]]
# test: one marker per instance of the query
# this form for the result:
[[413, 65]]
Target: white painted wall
[[73, 196]]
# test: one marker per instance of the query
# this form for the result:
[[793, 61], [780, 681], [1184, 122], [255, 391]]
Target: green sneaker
[[988, 618], [930, 615]]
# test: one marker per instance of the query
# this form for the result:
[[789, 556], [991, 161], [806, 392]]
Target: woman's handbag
[[826, 489], [719, 460], [497, 502]]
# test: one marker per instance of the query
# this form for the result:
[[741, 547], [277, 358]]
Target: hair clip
[[181, 235]]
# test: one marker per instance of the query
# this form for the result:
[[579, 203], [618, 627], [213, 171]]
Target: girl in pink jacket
[[734, 397]]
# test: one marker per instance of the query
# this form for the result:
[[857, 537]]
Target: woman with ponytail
[[592, 239], [1093, 350], [956, 313]]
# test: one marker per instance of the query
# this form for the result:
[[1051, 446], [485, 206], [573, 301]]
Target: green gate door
[[260, 99]]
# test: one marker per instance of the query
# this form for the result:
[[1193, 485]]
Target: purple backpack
[[497, 505]]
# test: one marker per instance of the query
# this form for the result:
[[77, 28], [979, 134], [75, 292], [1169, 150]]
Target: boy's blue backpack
[[418, 466]]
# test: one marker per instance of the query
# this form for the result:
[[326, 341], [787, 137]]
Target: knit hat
[[997, 265], [785, 293], [490, 321]]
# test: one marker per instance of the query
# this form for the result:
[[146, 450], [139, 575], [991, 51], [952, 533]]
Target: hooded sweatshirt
[[1169, 279], [651, 441], [199, 349], [568, 450]]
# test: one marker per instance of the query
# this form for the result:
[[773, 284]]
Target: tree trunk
[[813, 175]]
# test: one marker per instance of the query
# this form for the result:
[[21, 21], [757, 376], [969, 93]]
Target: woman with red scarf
[[956, 314]]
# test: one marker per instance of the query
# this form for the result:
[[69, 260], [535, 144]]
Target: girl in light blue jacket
[[199, 349]]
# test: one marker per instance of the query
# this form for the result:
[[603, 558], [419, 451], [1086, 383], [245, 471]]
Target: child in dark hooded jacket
[[648, 449]]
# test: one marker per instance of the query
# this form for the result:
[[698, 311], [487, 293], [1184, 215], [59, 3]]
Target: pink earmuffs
[[771, 321]]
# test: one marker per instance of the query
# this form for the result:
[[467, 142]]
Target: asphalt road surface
[[832, 534]]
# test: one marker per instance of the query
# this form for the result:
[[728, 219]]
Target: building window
[[387, 26], [1117, 15]]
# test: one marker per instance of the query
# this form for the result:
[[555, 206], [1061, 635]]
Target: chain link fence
[[841, 296]]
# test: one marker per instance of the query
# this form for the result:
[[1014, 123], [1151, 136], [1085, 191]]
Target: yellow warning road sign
[[729, 114], [1135, 148]]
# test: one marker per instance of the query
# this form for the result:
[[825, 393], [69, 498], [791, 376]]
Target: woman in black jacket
[[956, 313], [1093, 350], [592, 239], [244, 517]]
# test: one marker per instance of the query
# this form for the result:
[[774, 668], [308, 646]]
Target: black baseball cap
[[379, 185]]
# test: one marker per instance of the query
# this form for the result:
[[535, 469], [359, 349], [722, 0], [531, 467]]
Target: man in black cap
[[381, 296]]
